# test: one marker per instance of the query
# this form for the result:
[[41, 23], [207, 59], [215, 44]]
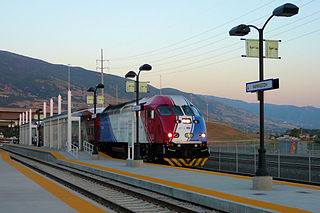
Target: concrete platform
[[230, 193], [22, 190]]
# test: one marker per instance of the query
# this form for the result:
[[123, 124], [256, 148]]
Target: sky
[[187, 42]]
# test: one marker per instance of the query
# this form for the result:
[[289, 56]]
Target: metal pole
[[38, 127], [95, 149], [279, 164], [310, 167], [219, 157], [68, 76], [262, 170], [137, 146], [237, 163]]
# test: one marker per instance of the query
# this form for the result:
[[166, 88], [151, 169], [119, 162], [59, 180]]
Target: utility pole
[[101, 68]]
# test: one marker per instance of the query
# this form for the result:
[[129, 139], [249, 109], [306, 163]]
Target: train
[[171, 129]]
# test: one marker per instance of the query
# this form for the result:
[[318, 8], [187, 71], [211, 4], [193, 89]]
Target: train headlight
[[186, 120], [170, 135], [202, 135]]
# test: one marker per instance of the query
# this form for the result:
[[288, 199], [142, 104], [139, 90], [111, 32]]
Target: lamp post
[[132, 74], [94, 90], [38, 126], [285, 10]]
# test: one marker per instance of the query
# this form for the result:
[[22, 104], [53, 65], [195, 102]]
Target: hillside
[[27, 82], [222, 132], [306, 117]]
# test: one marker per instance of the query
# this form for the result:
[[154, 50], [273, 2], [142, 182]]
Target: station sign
[[136, 108], [262, 85], [93, 116]]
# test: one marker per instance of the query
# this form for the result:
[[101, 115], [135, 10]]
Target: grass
[[218, 132]]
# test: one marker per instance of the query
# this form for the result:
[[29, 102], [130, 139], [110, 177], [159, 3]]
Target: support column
[[30, 127], [51, 107], [69, 122], [59, 104]]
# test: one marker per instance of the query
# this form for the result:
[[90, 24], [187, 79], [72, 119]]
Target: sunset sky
[[186, 41]]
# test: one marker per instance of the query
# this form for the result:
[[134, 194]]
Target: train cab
[[175, 127]]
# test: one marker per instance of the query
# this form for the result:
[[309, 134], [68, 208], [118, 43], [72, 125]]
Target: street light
[[132, 74], [38, 125], [285, 10], [94, 90]]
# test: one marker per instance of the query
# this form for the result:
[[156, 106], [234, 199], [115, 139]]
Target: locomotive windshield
[[187, 110], [190, 111], [177, 110], [164, 110], [195, 111]]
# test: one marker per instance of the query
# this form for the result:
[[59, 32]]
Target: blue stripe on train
[[106, 133]]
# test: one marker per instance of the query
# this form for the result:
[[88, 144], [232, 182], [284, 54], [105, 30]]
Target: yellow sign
[[272, 49], [36, 117], [89, 99], [143, 87], [252, 48], [100, 99], [131, 86]]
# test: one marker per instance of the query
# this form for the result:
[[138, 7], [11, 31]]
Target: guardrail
[[88, 147], [74, 150]]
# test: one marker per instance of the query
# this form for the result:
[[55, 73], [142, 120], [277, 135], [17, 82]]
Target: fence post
[[237, 164], [279, 164], [254, 157], [219, 156], [309, 167]]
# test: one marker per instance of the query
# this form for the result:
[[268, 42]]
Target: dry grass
[[221, 132]]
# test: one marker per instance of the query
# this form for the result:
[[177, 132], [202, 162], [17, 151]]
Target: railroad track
[[114, 195]]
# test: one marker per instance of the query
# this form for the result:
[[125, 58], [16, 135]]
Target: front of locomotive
[[185, 140]]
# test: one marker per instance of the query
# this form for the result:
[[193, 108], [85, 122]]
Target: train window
[[187, 110], [195, 111], [176, 110], [164, 110]]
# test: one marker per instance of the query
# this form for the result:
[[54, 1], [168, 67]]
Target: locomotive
[[171, 129]]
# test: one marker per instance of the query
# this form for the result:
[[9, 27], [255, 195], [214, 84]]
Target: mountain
[[305, 117], [27, 82]]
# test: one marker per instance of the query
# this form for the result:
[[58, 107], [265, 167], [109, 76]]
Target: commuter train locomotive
[[171, 129]]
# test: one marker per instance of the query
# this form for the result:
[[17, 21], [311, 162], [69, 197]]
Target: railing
[[296, 161], [88, 147], [74, 150]]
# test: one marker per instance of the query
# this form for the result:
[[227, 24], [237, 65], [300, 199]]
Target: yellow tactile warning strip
[[64, 195], [61, 157], [235, 198]]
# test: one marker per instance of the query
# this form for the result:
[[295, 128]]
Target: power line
[[194, 36], [303, 35]]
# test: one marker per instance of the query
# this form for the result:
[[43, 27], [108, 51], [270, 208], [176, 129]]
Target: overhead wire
[[179, 54], [194, 36]]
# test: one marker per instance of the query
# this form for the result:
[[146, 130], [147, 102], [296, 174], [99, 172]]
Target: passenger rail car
[[171, 128]]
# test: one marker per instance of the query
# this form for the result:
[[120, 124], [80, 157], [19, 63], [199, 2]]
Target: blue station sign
[[262, 85]]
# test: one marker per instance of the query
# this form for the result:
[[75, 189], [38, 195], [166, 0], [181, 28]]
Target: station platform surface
[[230, 193], [22, 190]]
